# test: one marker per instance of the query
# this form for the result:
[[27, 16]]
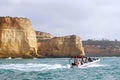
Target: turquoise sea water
[[57, 69]]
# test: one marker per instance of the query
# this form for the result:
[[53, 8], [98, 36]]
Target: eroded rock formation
[[67, 46], [43, 35], [17, 38]]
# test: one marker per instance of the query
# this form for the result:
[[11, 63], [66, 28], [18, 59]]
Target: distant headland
[[101, 48]]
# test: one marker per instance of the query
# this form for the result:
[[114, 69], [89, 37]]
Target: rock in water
[[17, 38], [67, 46]]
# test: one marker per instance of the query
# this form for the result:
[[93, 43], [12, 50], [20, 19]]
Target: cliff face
[[43, 35], [67, 46], [17, 38], [100, 52], [102, 47]]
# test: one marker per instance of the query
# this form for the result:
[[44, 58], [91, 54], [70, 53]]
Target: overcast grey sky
[[90, 19]]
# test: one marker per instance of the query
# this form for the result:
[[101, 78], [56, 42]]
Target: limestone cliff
[[43, 35], [17, 38], [67, 46]]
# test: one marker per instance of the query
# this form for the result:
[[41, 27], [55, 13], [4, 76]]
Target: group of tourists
[[81, 61]]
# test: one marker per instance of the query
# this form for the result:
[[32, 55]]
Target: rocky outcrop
[[17, 38], [67, 46], [43, 35]]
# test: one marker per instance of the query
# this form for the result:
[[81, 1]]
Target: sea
[[108, 68]]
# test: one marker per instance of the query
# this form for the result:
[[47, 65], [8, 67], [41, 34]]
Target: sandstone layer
[[67, 46], [17, 38]]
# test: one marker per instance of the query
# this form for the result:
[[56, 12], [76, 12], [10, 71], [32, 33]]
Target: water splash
[[42, 67], [31, 67]]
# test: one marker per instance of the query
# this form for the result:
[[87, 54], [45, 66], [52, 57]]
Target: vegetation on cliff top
[[102, 43]]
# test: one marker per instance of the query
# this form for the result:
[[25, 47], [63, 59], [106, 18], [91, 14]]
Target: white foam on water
[[88, 66], [31, 67], [93, 65], [42, 67], [68, 66]]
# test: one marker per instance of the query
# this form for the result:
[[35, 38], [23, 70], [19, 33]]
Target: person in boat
[[95, 58], [76, 62], [82, 61], [86, 59], [73, 64], [89, 59]]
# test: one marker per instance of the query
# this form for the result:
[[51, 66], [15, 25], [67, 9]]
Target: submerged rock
[[17, 38], [67, 46]]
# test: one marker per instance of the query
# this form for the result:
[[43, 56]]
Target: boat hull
[[89, 63], [86, 64]]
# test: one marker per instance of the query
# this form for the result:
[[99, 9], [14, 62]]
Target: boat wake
[[31, 67], [40, 67]]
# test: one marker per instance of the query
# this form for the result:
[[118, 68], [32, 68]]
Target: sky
[[89, 19]]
